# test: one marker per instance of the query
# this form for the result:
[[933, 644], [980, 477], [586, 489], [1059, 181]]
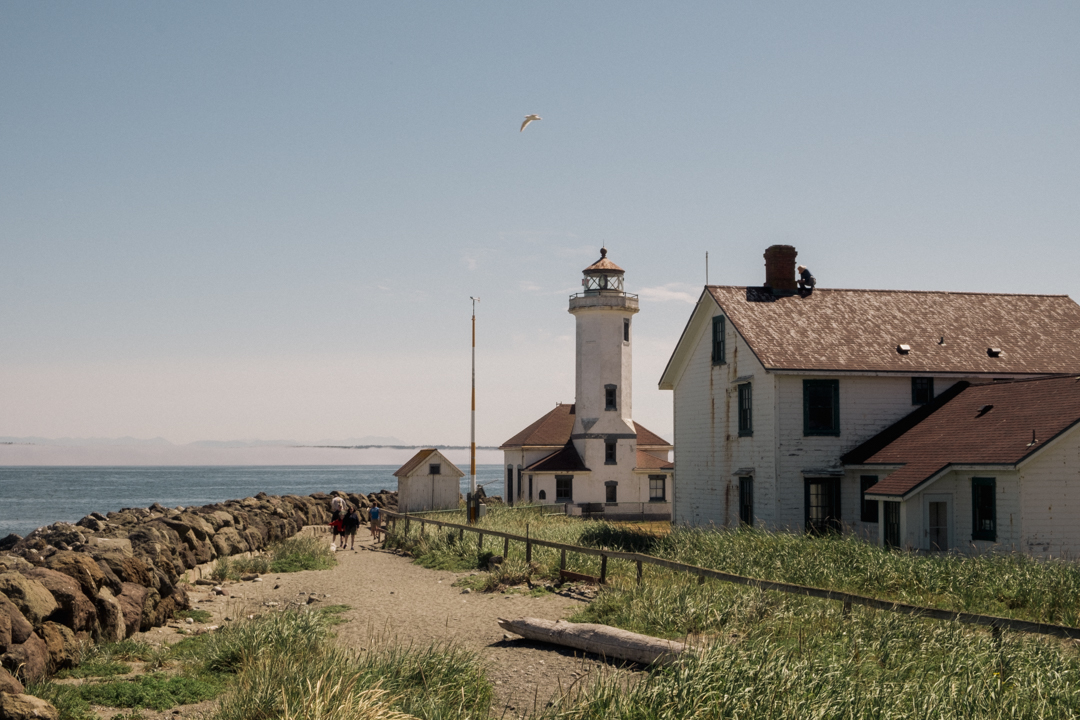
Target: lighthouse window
[[609, 397], [626, 330], [609, 452], [564, 488]]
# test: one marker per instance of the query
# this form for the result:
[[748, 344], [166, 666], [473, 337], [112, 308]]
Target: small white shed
[[428, 482]]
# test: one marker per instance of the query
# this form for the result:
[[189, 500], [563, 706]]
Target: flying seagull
[[529, 119]]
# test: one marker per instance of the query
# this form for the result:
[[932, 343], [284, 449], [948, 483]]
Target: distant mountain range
[[367, 441]]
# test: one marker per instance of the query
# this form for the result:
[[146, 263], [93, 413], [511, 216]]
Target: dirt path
[[393, 598]]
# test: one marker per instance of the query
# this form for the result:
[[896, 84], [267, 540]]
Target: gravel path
[[392, 598]]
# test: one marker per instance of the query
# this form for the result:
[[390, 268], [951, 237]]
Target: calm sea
[[31, 497]]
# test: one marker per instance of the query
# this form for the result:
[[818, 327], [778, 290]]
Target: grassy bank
[[280, 666], [1006, 584], [291, 555]]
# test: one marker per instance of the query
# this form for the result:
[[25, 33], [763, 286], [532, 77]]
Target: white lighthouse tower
[[590, 455], [604, 432]]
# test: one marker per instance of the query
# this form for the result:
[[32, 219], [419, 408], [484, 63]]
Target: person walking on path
[[349, 526], [337, 520], [373, 516]]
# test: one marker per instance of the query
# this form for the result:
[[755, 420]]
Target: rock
[[8, 684], [81, 568], [5, 632], [76, 611], [256, 579], [248, 577], [495, 562], [127, 568], [158, 612], [18, 626], [26, 707], [120, 545], [466, 591], [30, 659], [111, 624], [61, 645], [9, 541], [189, 621], [206, 581], [218, 590], [132, 600], [228, 541], [32, 598]]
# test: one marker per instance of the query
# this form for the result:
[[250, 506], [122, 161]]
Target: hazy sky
[[224, 220]]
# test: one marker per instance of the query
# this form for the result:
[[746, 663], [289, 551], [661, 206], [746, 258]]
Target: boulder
[[111, 624], [9, 541], [20, 627], [219, 519], [227, 541], [118, 545], [132, 600], [29, 660], [26, 707], [76, 611], [5, 632], [61, 644], [111, 579], [157, 611], [9, 684], [34, 601], [128, 568], [81, 568]]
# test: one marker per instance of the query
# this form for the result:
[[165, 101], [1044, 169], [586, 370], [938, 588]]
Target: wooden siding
[[1050, 505]]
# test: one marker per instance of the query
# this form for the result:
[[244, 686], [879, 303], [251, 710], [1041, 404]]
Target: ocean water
[[31, 497]]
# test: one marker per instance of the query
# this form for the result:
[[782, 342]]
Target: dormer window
[[993, 352], [903, 349], [610, 397]]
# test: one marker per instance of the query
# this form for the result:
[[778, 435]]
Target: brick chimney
[[780, 268]]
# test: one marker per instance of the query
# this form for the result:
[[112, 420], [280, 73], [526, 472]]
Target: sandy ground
[[390, 597]]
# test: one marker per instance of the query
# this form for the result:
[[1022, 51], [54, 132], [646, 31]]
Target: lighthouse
[[590, 455], [604, 432]]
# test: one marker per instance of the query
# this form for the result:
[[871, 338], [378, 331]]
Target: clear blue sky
[[224, 220]]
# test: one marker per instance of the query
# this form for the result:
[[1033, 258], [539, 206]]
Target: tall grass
[[801, 658], [1006, 584]]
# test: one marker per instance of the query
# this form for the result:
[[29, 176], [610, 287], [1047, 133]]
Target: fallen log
[[598, 639]]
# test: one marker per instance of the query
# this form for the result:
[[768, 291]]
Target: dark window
[[530, 488], [543, 495], [510, 483], [983, 509], [609, 397], [922, 390], [892, 524], [519, 496], [626, 330], [746, 501], [609, 453], [718, 341], [822, 497], [434, 469], [869, 507], [656, 488], [746, 410], [821, 407], [564, 488], [611, 493]]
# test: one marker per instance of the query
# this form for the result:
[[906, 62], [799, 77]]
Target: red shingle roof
[[555, 428], [604, 266], [859, 330], [645, 461], [552, 430], [985, 424]]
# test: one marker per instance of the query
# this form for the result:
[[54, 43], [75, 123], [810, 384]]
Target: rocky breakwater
[[109, 576]]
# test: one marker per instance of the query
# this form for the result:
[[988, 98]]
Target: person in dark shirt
[[806, 281]]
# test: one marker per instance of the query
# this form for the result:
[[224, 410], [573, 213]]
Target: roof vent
[[1033, 440], [903, 349], [984, 409], [941, 341], [993, 352]]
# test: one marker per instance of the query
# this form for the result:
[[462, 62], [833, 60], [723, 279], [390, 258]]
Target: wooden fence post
[[562, 560], [506, 548], [480, 543], [603, 569], [461, 535], [846, 612], [528, 545]]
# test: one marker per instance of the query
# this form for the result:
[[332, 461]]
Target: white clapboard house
[[590, 455], [784, 403]]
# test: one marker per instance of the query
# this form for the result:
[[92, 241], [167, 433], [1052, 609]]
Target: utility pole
[[472, 420]]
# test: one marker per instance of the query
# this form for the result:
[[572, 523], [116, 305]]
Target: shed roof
[[859, 330], [424, 455], [978, 424]]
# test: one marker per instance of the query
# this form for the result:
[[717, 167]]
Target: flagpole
[[472, 419]]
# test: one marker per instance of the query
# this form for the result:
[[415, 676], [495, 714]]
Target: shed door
[[937, 522]]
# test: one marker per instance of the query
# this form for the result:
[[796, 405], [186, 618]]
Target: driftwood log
[[599, 639]]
